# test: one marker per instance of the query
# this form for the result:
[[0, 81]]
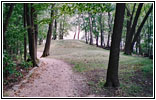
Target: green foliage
[[9, 67], [26, 64]]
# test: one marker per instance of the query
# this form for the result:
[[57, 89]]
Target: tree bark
[[79, 26], [101, 30], [129, 23], [54, 34], [31, 34], [140, 27], [91, 29], [86, 36], [110, 28], [25, 39], [112, 71], [132, 31], [48, 40], [6, 23]]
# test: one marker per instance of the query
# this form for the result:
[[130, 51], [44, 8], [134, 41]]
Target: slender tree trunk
[[35, 30], [129, 23], [54, 34], [6, 23], [110, 28], [79, 26], [74, 34], [25, 39], [101, 30], [91, 29], [112, 71], [97, 40], [140, 27], [86, 36], [139, 45], [48, 40], [132, 31]]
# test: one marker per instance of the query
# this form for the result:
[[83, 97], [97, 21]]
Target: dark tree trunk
[[54, 34], [101, 30], [6, 23], [140, 27], [97, 39], [112, 71], [25, 39], [35, 30], [132, 31], [48, 40], [129, 23], [34, 40], [31, 34], [91, 29]]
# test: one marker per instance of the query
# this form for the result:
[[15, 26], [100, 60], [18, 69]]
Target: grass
[[92, 62]]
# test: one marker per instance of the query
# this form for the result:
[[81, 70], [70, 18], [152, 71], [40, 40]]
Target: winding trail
[[53, 78]]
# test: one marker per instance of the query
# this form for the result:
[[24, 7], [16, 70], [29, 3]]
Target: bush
[[26, 64], [9, 67]]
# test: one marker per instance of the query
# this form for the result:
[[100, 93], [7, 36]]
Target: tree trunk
[[35, 31], [6, 23], [91, 29], [48, 40], [75, 34], [101, 30], [25, 39], [31, 34], [54, 34], [129, 23], [112, 71], [97, 39], [79, 26], [110, 28], [140, 27], [132, 31], [86, 36]]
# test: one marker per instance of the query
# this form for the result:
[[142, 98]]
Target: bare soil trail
[[53, 78]]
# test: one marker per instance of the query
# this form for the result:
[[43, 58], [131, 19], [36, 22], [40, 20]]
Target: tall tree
[[132, 31], [48, 40], [35, 29], [54, 34], [129, 21], [25, 39], [101, 30], [78, 25], [31, 33], [6, 22], [112, 71], [91, 29], [110, 28], [140, 27]]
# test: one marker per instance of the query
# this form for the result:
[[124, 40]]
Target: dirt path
[[54, 78]]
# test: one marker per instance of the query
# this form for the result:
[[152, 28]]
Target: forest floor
[[74, 68]]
